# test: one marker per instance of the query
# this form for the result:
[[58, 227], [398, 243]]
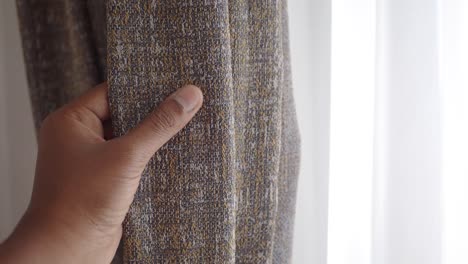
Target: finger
[[93, 101], [90, 109], [164, 122]]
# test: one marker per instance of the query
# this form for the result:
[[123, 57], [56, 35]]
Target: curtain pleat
[[223, 189], [59, 50]]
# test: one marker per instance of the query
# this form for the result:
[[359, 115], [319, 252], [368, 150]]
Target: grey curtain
[[221, 191]]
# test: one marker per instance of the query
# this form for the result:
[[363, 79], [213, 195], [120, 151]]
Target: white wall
[[17, 138]]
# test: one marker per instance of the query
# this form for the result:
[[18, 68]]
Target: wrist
[[54, 238], [34, 240]]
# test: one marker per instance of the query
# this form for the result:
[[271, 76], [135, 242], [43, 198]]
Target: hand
[[84, 184]]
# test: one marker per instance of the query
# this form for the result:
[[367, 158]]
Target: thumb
[[163, 122]]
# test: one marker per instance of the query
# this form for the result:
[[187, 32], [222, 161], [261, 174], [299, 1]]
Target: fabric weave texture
[[223, 189]]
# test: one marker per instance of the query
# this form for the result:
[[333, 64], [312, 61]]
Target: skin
[[85, 181]]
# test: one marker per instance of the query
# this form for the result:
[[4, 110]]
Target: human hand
[[84, 183]]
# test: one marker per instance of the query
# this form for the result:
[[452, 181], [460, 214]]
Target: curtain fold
[[61, 55], [223, 189]]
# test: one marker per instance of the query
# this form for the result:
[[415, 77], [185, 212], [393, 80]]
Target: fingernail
[[188, 97]]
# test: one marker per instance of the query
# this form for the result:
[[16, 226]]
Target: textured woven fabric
[[61, 54], [223, 189]]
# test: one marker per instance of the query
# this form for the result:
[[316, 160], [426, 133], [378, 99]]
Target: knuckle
[[51, 121], [75, 113], [164, 118], [63, 117]]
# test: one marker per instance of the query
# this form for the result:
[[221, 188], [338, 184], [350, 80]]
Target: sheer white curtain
[[453, 69], [395, 189]]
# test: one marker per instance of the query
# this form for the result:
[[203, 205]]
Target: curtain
[[398, 124], [393, 199], [223, 189]]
